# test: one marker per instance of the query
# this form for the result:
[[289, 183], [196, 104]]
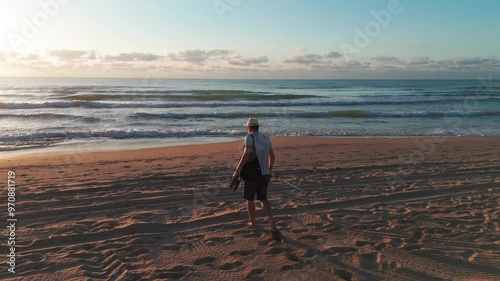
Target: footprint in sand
[[370, 260], [254, 273], [469, 255], [335, 250], [231, 265], [344, 274], [214, 241], [242, 253], [292, 257], [396, 242], [381, 245], [310, 253], [296, 266], [332, 229], [204, 260]]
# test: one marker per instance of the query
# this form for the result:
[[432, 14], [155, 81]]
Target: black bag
[[251, 170]]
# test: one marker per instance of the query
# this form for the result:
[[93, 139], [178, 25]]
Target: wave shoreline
[[38, 112], [77, 147]]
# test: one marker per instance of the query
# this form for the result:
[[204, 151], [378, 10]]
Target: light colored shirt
[[262, 147]]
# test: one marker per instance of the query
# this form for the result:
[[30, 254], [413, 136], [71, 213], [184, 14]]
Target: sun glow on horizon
[[12, 13]]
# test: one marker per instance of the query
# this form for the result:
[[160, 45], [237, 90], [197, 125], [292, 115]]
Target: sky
[[238, 39]]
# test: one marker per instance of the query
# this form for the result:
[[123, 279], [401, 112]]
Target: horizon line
[[325, 79]]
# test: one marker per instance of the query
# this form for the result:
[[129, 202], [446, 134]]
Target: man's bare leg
[[267, 209], [251, 212]]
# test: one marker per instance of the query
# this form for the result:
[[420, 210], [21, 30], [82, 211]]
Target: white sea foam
[[48, 111]]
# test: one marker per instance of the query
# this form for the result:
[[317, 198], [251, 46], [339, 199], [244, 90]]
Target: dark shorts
[[258, 186]]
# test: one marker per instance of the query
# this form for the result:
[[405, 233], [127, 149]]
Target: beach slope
[[373, 209]]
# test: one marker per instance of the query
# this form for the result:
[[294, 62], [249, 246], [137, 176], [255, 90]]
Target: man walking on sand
[[265, 154]]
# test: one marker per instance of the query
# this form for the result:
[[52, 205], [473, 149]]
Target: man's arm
[[243, 161], [271, 160]]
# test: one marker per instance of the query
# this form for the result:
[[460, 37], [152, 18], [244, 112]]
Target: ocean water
[[49, 113]]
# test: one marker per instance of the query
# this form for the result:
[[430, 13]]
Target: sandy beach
[[373, 209]]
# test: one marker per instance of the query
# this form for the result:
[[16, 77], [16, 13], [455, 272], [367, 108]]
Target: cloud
[[92, 55], [192, 56], [388, 64], [12, 56], [305, 59], [332, 55], [248, 61], [28, 57], [419, 61], [352, 65], [220, 63], [3, 56], [389, 67], [386, 60], [129, 57], [85, 55], [310, 59], [218, 53], [67, 55], [198, 56], [478, 64], [475, 61]]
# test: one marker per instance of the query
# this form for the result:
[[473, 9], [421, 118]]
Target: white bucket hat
[[252, 122]]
